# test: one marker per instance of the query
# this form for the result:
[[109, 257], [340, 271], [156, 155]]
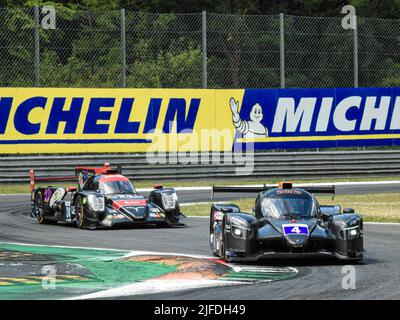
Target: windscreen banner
[[66, 120]]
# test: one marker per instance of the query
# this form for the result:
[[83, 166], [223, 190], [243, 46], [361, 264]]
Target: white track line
[[129, 252], [156, 286], [349, 183]]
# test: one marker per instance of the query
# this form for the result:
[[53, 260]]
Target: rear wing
[[81, 175], [106, 169], [239, 189], [256, 189], [84, 173], [34, 179]]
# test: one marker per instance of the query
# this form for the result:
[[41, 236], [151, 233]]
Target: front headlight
[[169, 200], [239, 228], [96, 203], [349, 233]]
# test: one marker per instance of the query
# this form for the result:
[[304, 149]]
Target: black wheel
[[39, 211], [80, 214], [223, 249]]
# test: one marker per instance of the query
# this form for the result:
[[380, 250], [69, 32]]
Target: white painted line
[[60, 246], [156, 286], [397, 224], [129, 252], [194, 188]]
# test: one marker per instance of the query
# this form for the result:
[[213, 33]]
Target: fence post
[[123, 50], [37, 47], [355, 52], [204, 47], [282, 49]]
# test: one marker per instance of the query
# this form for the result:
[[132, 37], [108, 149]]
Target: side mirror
[[348, 210], [226, 210], [324, 216]]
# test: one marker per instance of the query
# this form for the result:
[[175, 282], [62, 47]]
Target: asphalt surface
[[377, 278]]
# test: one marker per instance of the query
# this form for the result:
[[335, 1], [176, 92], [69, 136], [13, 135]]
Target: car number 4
[[295, 229]]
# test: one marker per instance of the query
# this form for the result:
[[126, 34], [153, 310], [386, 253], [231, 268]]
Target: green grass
[[384, 207], [8, 188]]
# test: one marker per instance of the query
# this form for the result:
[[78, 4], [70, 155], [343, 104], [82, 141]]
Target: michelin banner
[[54, 120]]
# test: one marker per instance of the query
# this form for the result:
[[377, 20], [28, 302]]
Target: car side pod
[[348, 228], [240, 232], [167, 200], [232, 232]]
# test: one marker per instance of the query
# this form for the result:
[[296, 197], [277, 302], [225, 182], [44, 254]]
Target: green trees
[[165, 50]]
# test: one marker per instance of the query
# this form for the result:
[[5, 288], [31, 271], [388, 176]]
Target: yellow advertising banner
[[63, 120]]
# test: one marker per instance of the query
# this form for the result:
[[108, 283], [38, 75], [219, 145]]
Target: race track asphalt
[[377, 278]]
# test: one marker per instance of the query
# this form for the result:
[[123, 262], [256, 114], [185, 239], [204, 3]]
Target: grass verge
[[383, 207], [9, 188]]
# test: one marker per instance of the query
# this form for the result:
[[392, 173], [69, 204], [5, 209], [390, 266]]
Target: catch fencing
[[199, 50]]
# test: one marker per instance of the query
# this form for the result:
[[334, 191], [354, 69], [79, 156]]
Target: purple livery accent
[[47, 195]]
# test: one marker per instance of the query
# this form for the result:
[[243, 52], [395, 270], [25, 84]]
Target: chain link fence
[[134, 49]]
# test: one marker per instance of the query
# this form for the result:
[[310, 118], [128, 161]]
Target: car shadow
[[123, 226], [308, 262]]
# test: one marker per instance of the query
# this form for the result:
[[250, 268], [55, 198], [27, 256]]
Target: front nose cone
[[296, 240]]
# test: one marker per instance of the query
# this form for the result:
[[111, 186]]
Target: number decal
[[295, 229]]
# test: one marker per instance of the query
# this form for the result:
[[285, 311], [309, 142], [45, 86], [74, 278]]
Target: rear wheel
[[39, 210]]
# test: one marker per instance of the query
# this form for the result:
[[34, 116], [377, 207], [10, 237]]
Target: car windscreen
[[287, 205], [117, 187]]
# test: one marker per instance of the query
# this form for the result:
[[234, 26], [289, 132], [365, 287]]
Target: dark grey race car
[[102, 198], [287, 222]]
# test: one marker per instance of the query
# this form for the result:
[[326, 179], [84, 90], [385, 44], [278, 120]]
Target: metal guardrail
[[271, 165]]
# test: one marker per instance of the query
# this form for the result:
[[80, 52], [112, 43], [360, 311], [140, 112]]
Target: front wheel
[[80, 214]]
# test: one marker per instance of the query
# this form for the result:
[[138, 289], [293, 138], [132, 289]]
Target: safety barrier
[[267, 165]]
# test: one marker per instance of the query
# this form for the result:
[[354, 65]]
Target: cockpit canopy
[[288, 203], [109, 184]]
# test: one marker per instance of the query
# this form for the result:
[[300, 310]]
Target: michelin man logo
[[252, 128]]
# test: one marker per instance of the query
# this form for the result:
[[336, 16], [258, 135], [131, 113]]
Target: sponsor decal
[[42, 120], [124, 203], [47, 194], [288, 191]]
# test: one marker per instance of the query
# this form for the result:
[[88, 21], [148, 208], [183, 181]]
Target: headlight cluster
[[96, 203], [239, 228], [350, 233], [169, 200]]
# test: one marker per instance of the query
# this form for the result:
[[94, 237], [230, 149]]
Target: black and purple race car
[[286, 222], [102, 198]]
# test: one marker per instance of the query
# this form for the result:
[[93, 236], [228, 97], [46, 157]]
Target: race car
[[102, 198], [286, 222]]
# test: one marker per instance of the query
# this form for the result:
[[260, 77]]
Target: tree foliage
[[164, 50]]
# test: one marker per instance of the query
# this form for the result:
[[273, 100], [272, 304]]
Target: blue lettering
[[21, 122], [94, 114], [152, 115], [123, 124], [70, 117], [5, 108], [177, 108]]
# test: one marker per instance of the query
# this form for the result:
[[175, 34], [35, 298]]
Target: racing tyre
[[80, 214], [39, 208], [223, 250]]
